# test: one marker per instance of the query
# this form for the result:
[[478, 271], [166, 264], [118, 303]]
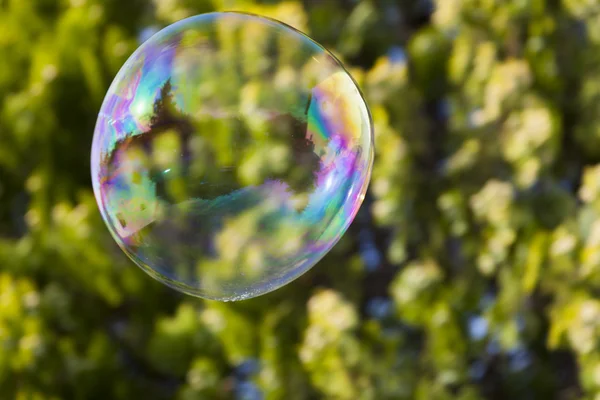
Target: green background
[[471, 272]]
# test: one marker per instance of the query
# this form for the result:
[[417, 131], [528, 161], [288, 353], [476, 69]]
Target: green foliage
[[472, 271]]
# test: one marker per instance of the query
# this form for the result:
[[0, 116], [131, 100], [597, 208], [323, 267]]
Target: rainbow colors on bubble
[[230, 154]]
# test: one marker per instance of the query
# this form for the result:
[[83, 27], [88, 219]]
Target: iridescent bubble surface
[[230, 154]]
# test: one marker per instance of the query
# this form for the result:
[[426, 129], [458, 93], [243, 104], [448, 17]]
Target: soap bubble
[[230, 154]]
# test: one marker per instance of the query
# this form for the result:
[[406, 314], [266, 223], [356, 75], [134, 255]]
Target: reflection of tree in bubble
[[167, 119]]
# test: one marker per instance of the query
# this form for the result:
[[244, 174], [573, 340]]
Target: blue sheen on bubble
[[230, 154]]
